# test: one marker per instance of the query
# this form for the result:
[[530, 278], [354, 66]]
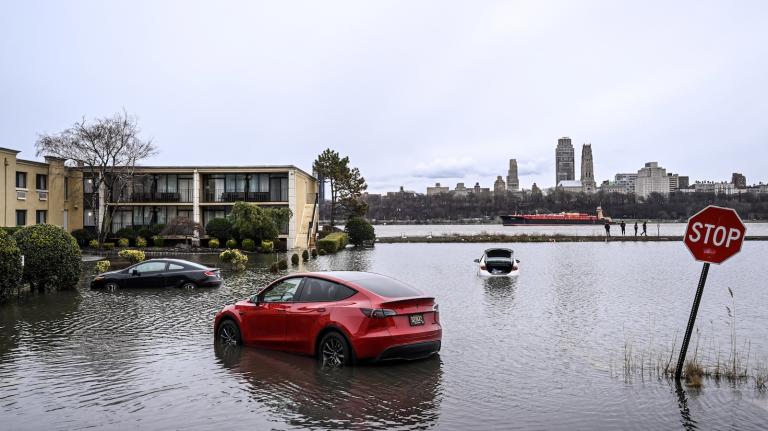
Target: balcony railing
[[222, 196], [181, 196]]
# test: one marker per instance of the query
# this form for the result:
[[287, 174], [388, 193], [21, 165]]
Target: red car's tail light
[[378, 313], [209, 273]]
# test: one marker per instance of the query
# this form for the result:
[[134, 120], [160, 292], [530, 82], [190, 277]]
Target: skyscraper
[[587, 169], [513, 183], [564, 161]]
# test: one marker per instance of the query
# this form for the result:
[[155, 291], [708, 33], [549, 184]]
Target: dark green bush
[[146, 233], [51, 257], [123, 242], [126, 232], [83, 236], [322, 252], [156, 229], [282, 264], [219, 228], [141, 242], [94, 243], [294, 259], [249, 245], [10, 230], [10, 264], [158, 241], [108, 246], [305, 255], [314, 253], [273, 268], [359, 231], [231, 243]]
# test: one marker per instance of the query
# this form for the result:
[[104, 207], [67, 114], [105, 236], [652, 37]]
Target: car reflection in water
[[303, 393]]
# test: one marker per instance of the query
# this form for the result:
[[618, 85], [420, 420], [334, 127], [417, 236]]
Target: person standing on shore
[[607, 229], [645, 228], [635, 228], [623, 228]]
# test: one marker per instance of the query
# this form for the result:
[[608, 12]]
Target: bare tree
[[182, 226], [108, 150]]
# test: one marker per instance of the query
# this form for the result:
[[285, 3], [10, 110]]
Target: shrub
[[314, 253], [249, 245], [146, 233], [123, 242], [219, 228], [333, 242], [51, 257], [273, 268], [294, 259], [231, 243], [235, 258], [305, 255], [141, 242], [93, 243], [282, 264], [84, 237], [126, 232], [213, 243], [133, 256], [10, 264], [156, 229], [322, 252], [108, 246], [267, 246], [158, 241], [10, 230], [359, 231], [102, 266]]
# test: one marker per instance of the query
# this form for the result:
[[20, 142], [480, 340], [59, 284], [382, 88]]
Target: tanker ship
[[555, 219]]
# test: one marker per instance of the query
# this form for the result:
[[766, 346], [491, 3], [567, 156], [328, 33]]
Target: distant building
[[739, 181], [436, 190], [460, 190], [613, 187], [513, 183], [587, 170], [572, 186], [499, 186], [535, 190], [651, 179], [564, 161], [683, 182], [626, 180], [478, 190], [722, 187], [401, 192], [674, 182]]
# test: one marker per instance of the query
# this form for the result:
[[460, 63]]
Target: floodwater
[[653, 229], [542, 351]]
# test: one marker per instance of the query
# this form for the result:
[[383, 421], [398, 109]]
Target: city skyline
[[409, 104]]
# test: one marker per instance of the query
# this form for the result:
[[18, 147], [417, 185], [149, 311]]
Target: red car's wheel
[[229, 334], [333, 351]]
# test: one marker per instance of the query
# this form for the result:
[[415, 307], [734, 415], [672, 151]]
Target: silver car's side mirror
[[477, 260]]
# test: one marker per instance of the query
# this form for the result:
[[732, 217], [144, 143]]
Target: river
[[545, 350]]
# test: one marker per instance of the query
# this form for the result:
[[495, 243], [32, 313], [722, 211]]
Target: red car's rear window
[[387, 287]]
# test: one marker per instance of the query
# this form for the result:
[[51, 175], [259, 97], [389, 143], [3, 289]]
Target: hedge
[[10, 264], [360, 231], [267, 246], [102, 266], [333, 242], [51, 257], [213, 243], [133, 256], [123, 242]]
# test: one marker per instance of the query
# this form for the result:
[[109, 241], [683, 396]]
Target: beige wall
[[55, 204]]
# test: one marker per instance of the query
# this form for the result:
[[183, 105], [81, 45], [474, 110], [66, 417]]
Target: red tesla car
[[341, 317]]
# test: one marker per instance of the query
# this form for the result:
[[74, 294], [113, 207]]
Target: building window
[[41, 216], [66, 188], [87, 185], [41, 182], [21, 217], [89, 218], [21, 180]]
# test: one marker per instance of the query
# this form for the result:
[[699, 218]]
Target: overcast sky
[[413, 92]]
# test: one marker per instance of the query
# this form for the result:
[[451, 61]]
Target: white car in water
[[498, 262]]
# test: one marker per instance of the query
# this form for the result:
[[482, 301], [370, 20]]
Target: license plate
[[416, 319]]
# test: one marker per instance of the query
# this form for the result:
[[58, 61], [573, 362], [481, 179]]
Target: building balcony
[[181, 196], [222, 196]]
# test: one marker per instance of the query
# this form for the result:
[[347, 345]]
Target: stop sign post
[[713, 235]]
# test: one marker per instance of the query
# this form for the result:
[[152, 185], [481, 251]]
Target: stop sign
[[714, 234]]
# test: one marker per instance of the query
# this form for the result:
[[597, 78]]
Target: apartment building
[[65, 196]]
